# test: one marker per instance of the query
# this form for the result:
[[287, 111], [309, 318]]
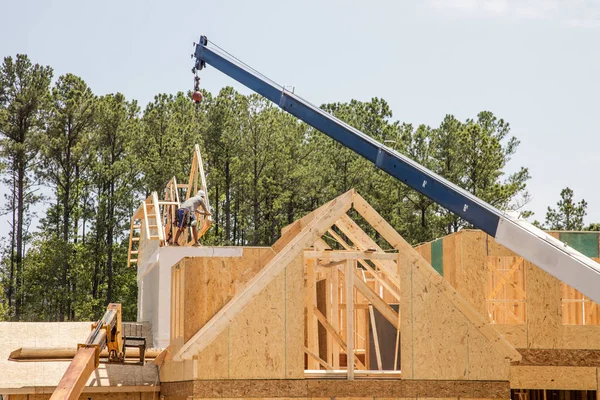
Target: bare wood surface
[[306, 237], [73, 381]]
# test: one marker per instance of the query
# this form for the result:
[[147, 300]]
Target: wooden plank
[[294, 319], [327, 308], [377, 302], [411, 256], [556, 378], [364, 242], [159, 227], [310, 295], [380, 279], [318, 359], [316, 228], [349, 255], [544, 309], [349, 277], [73, 381], [335, 314], [375, 338], [336, 336]]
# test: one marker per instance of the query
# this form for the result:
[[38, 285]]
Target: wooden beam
[[310, 295], [364, 242], [307, 236], [318, 359], [336, 336], [40, 354], [375, 338], [366, 265], [349, 255], [335, 314], [73, 381], [409, 254], [349, 276], [381, 306]]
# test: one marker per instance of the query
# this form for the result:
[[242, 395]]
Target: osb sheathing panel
[[452, 259], [92, 396], [562, 378], [257, 335], [425, 251], [580, 337], [210, 282], [515, 334], [544, 307], [264, 341], [560, 357], [294, 318], [544, 318], [473, 271], [438, 342], [338, 389]]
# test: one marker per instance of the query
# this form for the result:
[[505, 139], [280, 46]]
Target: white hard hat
[[200, 193]]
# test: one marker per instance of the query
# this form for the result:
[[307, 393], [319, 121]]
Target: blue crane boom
[[524, 239]]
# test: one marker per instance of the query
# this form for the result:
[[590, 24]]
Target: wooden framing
[[347, 301], [72, 383], [349, 279], [409, 254], [308, 235], [532, 309]]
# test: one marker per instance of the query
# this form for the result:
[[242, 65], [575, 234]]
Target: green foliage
[[100, 156], [568, 214]]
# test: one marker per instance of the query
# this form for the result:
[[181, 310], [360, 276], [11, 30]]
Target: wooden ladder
[[134, 241]]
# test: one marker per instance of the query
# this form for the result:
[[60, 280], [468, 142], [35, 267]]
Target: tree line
[[82, 163]]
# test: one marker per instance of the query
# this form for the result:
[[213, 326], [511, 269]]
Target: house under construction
[[460, 317]]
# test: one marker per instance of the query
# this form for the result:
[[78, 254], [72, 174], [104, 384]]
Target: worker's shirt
[[193, 203]]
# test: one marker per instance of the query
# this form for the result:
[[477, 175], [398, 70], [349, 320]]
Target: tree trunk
[[227, 201], [109, 242], [11, 284], [66, 288], [19, 251], [255, 205]]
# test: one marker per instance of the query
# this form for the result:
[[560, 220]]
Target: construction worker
[[186, 215]]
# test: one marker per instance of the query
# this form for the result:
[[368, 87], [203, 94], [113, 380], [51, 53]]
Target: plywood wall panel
[[561, 378], [294, 319], [485, 363], [440, 334], [257, 335], [544, 316], [474, 270], [515, 334]]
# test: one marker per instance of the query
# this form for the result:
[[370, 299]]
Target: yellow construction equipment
[[107, 333]]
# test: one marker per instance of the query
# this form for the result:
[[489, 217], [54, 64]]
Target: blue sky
[[535, 63]]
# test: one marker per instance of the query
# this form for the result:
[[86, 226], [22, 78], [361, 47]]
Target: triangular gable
[[479, 346], [315, 226], [428, 278]]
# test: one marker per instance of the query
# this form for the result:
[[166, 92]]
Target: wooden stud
[[364, 242], [349, 255], [336, 336], [335, 314], [382, 281], [328, 297], [318, 359], [310, 295], [349, 276], [381, 306], [375, 338]]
